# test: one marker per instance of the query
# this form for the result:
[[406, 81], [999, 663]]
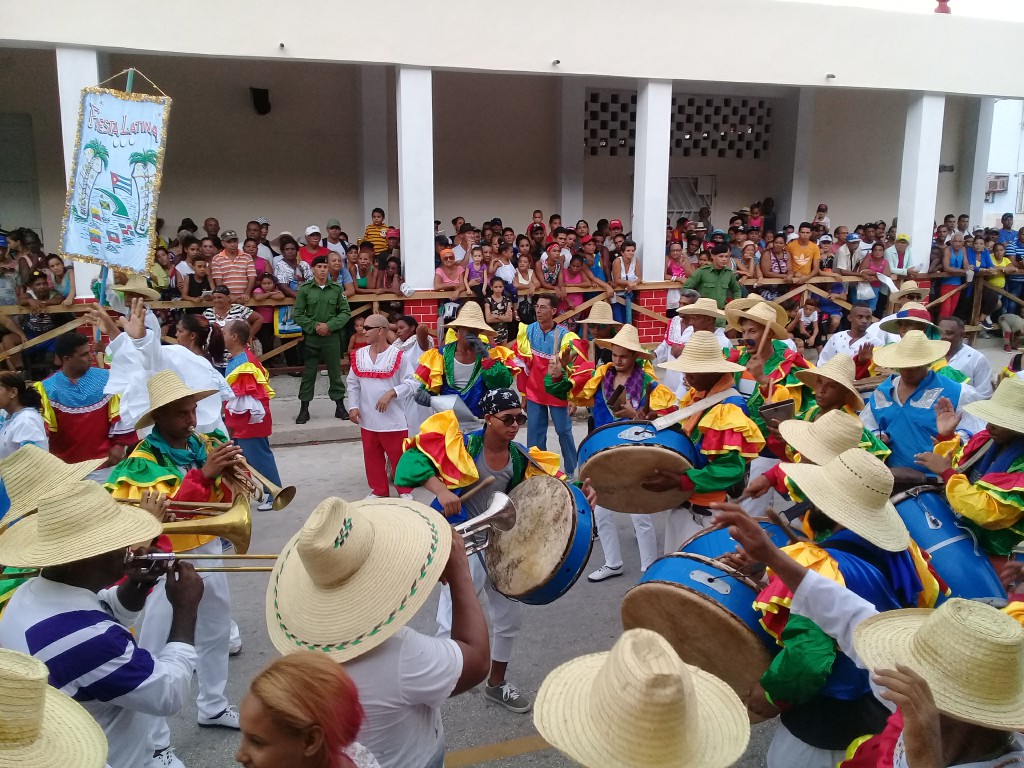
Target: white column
[[978, 143], [416, 173], [373, 131], [919, 180], [77, 68], [572, 102], [650, 174], [799, 196]]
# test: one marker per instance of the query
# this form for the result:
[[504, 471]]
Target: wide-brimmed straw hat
[[853, 490], [75, 521], [601, 314], [843, 371], [354, 575], [822, 440], [137, 284], [912, 351], [761, 313], [1005, 409], [471, 317], [910, 288], [165, 388], [702, 354], [40, 727], [702, 306], [626, 337], [911, 313], [31, 471], [971, 655], [640, 706], [781, 316]]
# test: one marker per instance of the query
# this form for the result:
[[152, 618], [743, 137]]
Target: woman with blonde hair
[[302, 711]]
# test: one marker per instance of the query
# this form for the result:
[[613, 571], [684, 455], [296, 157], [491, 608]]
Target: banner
[[110, 211]]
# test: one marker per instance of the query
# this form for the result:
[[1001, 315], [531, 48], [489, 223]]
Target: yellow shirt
[[802, 256]]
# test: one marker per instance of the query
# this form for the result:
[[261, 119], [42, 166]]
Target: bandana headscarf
[[498, 400]]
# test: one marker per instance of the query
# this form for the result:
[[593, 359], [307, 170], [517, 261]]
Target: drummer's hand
[[757, 703], [145, 574], [662, 480], [946, 417], [157, 504], [458, 561], [746, 531], [220, 459], [624, 410], [1012, 574], [589, 492], [933, 462], [908, 476], [756, 488], [922, 731], [450, 503], [739, 560]]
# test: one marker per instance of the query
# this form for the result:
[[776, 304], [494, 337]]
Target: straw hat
[[640, 706], [626, 337], [138, 284], [702, 306], [781, 316], [912, 351], [910, 288], [761, 313], [601, 314], [843, 371], [355, 574], [702, 354], [853, 489], [164, 388], [824, 439], [40, 727], [471, 317], [914, 314], [971, 655], [30, 471], [75, 521], [1005, 409]]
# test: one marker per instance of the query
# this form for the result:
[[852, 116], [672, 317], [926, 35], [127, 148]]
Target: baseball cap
[[585, 239], [1005, 215], [467, 227], [825, 239], [792, 236], [496, 221], [228, 234], [332, 223], [853, 237], [978, 229], [312, 229], [392, 232], [902, 237], [261, 220], [822, 207], [536, 227], [3, 241], [222, 289], [615, 223]]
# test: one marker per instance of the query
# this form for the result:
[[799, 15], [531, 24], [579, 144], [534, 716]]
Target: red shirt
[[307, 255]]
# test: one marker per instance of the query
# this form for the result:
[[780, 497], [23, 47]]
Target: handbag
[[285, 326], [864, 292]]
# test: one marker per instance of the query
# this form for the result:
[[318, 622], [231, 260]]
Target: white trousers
[[212, 630], [506, 615], [681, 523], [772, 500], [787, 751], [608, 533]]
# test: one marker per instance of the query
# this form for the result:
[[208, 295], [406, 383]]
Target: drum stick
[[613, 401], [783, 523], [646, 404], [477, 488]]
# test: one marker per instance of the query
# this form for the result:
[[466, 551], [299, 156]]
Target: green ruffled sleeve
[[414, 469], [560, 388], [801, 668], [498, 376], [719, 474], [139, 472]]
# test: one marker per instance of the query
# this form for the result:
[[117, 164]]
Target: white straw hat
[[853, 490], [912, 351], [355, 574], [971, 655], [75, 522], [165, 388], [626, 337], [822, 440], [843, 371], [702, 306], [137, 284], [472, 318], [1005, 409], [702, 354], [640, 706], [40, 727], [909, 288], [761, 313], [601, 314], [736, 305], [913, 314], [30, 471]]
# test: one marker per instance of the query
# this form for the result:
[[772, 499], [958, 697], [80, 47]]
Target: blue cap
[[853, 237], [3, 241]]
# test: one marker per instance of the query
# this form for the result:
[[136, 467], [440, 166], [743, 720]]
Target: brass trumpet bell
[[500, 515], [235, 525]]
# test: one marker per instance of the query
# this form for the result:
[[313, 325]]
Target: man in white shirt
[[463, 243], [965, 358], [254, 231], [695, 314], [334, 241], [901, 263], [851, 342]]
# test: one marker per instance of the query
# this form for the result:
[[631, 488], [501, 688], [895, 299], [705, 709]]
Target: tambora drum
[[713, 542], [618, 457], [543, 555]]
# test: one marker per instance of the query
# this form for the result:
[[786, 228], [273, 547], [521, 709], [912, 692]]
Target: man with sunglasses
[[449, 463]]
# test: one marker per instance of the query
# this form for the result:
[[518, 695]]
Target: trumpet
[[500, 515], [250, 482]]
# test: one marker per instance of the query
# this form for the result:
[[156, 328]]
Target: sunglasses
[[508, 420]]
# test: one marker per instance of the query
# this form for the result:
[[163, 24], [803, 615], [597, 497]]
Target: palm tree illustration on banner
[[96, 158], [145, 179]]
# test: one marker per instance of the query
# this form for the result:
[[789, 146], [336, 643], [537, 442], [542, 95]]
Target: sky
[[1006, 10]]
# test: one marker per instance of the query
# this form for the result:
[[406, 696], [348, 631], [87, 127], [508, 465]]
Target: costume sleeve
[[549, 464], [561, 389], [803, 665], [774, 601], [1015, 610], [777, 478], [580, 367], [721, 472], [353, 387], [585, 394], [496, 374], [726, 428], [250, 387], [300, 314], [340, 320], [439, 450], [995, 501], [869, 442], [430, 370], [46, 408], [522, 351], [834, 608]]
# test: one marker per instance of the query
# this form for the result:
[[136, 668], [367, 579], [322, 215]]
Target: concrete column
[[414, 88], [572, 103], [974, 158], [650, 174], [373, 132], [919, 180], [77, 68], [799, 204]]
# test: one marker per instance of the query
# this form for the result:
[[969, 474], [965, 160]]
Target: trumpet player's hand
[[458, 561], [589, 492], [221, 458], [157, 504], [184, 586], [450, 503], [145, 574]]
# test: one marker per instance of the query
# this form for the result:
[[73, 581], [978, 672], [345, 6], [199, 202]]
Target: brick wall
[[424, 310], [651, 330]]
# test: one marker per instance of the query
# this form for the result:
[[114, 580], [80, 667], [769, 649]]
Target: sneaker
[[235, 649], [372, 495], [165, 758], [605, 572], [266, 505], [987, 324], [226, 719], [508, 696], [323, 373], [406, 496]]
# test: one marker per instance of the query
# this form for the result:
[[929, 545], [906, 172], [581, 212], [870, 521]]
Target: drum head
[[703, 632], [527, 557], [616, 474]]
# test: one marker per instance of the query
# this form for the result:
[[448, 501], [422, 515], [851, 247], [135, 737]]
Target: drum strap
[[664, 422], [859, 551], [968, 466]]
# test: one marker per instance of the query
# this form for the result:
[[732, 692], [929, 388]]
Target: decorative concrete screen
[[702, 126]]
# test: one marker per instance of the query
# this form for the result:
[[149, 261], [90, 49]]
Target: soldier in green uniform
[[321, 311]]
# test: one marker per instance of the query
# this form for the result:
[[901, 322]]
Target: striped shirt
[[235, 273], [82, 638]]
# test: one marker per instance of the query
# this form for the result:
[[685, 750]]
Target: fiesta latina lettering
[[124, 128]]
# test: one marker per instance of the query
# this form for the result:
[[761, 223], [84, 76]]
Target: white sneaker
[[165, 758], [408, 496], [605, 572], [266, 505], [373, 496], [226, 719], [323, 373]]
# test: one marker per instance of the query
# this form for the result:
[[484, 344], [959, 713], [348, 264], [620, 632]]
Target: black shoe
[[303, 416], [340, 411]]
